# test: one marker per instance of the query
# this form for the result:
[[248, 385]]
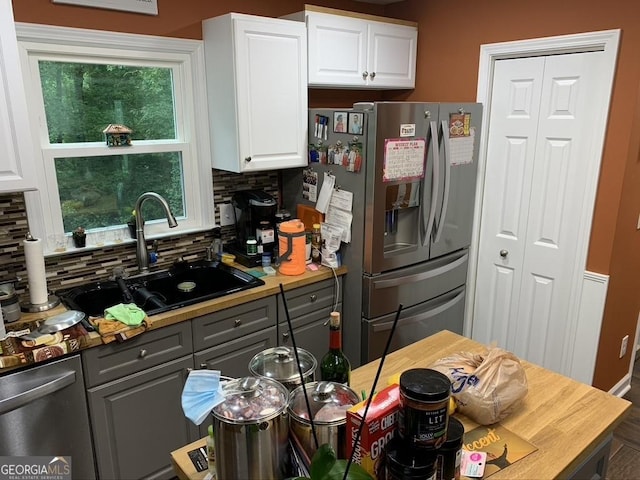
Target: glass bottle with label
[[316, 244], [335, 366]]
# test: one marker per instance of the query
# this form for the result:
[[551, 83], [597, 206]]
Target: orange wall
[[176, 18], [449, 39], [450, 35]]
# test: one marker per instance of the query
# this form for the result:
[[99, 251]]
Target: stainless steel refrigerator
[[412, 170]]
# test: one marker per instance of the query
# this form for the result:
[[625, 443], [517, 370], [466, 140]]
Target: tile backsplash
[[85, 266]]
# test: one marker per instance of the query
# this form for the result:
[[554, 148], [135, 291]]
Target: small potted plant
[[79, 237]]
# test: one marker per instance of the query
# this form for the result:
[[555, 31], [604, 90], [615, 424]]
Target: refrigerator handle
[[384, 326], [447, 180], [434, 182], [394, 282]]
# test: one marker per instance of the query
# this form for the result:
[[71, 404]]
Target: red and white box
[[379, 428]]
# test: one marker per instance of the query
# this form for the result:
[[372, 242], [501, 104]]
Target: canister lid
[[329, 402], [251, 399], [279, 363], [425, 384]]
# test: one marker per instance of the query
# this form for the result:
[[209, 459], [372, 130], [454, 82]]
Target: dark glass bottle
[[316, 244], [335, 366]]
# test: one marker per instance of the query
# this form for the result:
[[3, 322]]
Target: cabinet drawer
[[310, 299], [108, 362], [231, 323], [311, 334]]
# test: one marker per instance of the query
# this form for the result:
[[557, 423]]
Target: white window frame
[[185, 57]]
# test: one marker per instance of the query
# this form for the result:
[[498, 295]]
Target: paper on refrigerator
[[339, 212], [325, 192]]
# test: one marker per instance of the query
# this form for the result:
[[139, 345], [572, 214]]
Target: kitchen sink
[[186, 283]]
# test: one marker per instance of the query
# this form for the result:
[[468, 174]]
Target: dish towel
[[127, 313]]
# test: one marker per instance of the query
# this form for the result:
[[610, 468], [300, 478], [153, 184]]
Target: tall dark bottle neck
[[335, 338]]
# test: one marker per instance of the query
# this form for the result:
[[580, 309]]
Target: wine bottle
[[335, 366]]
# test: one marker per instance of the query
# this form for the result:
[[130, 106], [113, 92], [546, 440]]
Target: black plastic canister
[[450, 453], [403, 462], [424, 402]]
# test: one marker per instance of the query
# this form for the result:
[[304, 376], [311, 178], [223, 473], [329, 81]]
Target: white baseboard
[[621, 388]]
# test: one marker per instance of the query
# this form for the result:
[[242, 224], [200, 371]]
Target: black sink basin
[[182, 285]]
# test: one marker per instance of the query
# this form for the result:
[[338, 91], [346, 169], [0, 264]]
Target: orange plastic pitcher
[[291, 237]]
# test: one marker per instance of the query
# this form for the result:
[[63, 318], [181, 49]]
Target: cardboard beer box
[[379, 428]]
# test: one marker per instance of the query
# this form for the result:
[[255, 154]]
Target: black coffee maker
[[250, 208]]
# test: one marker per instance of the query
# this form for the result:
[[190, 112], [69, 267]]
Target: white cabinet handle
[[365, 74], [372, 75]]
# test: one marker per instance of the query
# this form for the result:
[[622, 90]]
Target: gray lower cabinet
[[228, 339], [309, 308], [595, 465], [134, 394]]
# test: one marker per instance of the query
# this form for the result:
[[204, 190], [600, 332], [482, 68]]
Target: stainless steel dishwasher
[[43, 412]]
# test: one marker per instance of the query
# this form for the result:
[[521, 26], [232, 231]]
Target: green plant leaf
[[356, 472], [322, 462]]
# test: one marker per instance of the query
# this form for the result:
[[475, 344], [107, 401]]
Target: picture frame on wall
[[147, 7], [340, 122]]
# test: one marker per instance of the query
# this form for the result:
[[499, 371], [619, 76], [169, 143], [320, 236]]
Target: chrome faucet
[[142, 254]]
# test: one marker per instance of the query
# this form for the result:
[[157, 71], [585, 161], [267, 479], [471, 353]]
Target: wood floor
[[625, 462]]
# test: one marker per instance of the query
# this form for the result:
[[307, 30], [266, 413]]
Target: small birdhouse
[[117, 135]]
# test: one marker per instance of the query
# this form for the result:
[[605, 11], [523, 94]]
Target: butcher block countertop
[[271, 287], [566, 420]]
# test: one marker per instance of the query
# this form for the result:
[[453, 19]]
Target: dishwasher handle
[[51, 385]]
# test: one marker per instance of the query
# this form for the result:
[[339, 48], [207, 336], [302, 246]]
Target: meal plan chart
[[403, 159]]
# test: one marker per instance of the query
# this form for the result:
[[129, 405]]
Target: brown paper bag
[[487, 386]]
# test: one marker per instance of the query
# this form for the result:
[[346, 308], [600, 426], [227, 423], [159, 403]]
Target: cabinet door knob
[[365, 74], [203, 365], [285, 337], [504, 253], [143, 353], [372, 75], [313, 298], [247, 159], [237, 322]]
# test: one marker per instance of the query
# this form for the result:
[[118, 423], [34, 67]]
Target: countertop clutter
[[77, 338], [569, 423]]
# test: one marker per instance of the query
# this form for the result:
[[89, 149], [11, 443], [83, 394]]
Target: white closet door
[[513, 126], [534, 198]]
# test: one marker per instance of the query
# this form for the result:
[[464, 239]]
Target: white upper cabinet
[[351, 52], [257, 92], [17, 167]]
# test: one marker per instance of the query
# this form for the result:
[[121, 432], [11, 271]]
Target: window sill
[[125, 241]]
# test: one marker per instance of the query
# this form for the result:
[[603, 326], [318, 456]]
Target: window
[[78, 83]]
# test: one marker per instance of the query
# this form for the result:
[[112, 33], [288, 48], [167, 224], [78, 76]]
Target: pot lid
[[61, 321], [279, 363], [329, 402], [251, 399]]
